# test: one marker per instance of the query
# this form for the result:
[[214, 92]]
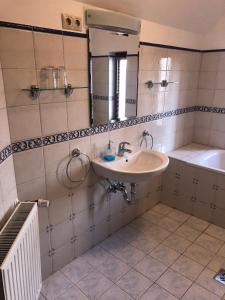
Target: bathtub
[[212, 159], [199, 155], [194, 182]]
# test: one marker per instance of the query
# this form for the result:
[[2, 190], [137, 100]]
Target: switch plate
[[71, 22]]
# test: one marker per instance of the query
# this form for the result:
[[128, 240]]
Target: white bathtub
[[200, 155], [195, 182], [212, 159]]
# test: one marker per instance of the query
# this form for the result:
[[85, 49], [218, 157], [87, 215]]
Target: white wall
[[215, 37], [47, 13]]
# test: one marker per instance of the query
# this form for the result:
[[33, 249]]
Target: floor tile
[[165, 254], [130, 255], [198, 293], [179, 216], [199, 254], [134, 283], [222, 251], [197, 223], [206, 281], [72, 294], [158, 233], [113, 244], [145, 243], [187, 267], [216, 232], [210, 243], [127, 234], [169, 224], [174, 283], [77, 269], [157, 293], [113, 268], [188, 233], [151, 268], [141, 224], [94, 285], [149, 245], [95, 256], [162, 209], [217, 263], [55, 285], [115, 293], [152, 216], [177, 243]]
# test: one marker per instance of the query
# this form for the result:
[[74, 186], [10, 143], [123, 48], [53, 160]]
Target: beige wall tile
[[60, 210], [75, 53], [7, 179], [220, 79], [4, 129], [14, 81], [24, 122], [55, 187], [79, 95], [153, 58], [2, 92], [53, 118], [32, 189], [178, 60], [54, 155], [78, 114], [207, 80], [77, 78], [210, 61], [48, 50], [29, 165], [16, 48]]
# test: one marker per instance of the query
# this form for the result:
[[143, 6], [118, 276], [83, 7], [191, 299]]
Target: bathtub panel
[[202, 210], [185, 204], [220, 192], [204, 182], [218, 217]]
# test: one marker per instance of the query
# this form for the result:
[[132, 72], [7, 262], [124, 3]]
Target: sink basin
[[134, 167]]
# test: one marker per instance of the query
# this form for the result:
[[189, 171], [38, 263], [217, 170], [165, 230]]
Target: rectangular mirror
[[114, 59]]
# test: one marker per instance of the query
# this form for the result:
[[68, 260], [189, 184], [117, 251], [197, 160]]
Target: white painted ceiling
[[197, 16]]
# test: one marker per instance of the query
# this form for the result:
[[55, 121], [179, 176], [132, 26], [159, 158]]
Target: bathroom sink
[[134, 167]]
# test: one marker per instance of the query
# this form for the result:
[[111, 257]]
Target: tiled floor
[[164, 254]]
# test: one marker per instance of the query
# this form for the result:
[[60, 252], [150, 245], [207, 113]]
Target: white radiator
[[20, 263]]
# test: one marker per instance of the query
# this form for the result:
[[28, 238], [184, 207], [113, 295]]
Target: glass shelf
[[163, 83], [68, 90]]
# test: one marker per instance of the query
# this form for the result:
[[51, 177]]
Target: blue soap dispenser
[[110, 152]]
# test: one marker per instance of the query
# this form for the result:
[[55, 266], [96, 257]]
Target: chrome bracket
[[34, 91], [68, 91]]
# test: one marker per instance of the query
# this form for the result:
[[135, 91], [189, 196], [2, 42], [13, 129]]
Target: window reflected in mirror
[[113, 62]]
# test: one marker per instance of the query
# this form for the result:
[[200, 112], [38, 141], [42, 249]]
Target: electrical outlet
[[71, 22]]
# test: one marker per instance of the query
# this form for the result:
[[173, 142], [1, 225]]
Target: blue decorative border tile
[[210, 109], [84, 132], [26, 145], [55, 138], [5, 153]]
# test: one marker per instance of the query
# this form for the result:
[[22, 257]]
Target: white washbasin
[[135, 167]]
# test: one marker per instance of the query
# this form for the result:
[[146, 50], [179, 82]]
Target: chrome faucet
[[122, 149]]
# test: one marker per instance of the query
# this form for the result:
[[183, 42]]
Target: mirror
[[114, 75]]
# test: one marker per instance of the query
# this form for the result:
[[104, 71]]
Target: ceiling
[[197, 16]]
